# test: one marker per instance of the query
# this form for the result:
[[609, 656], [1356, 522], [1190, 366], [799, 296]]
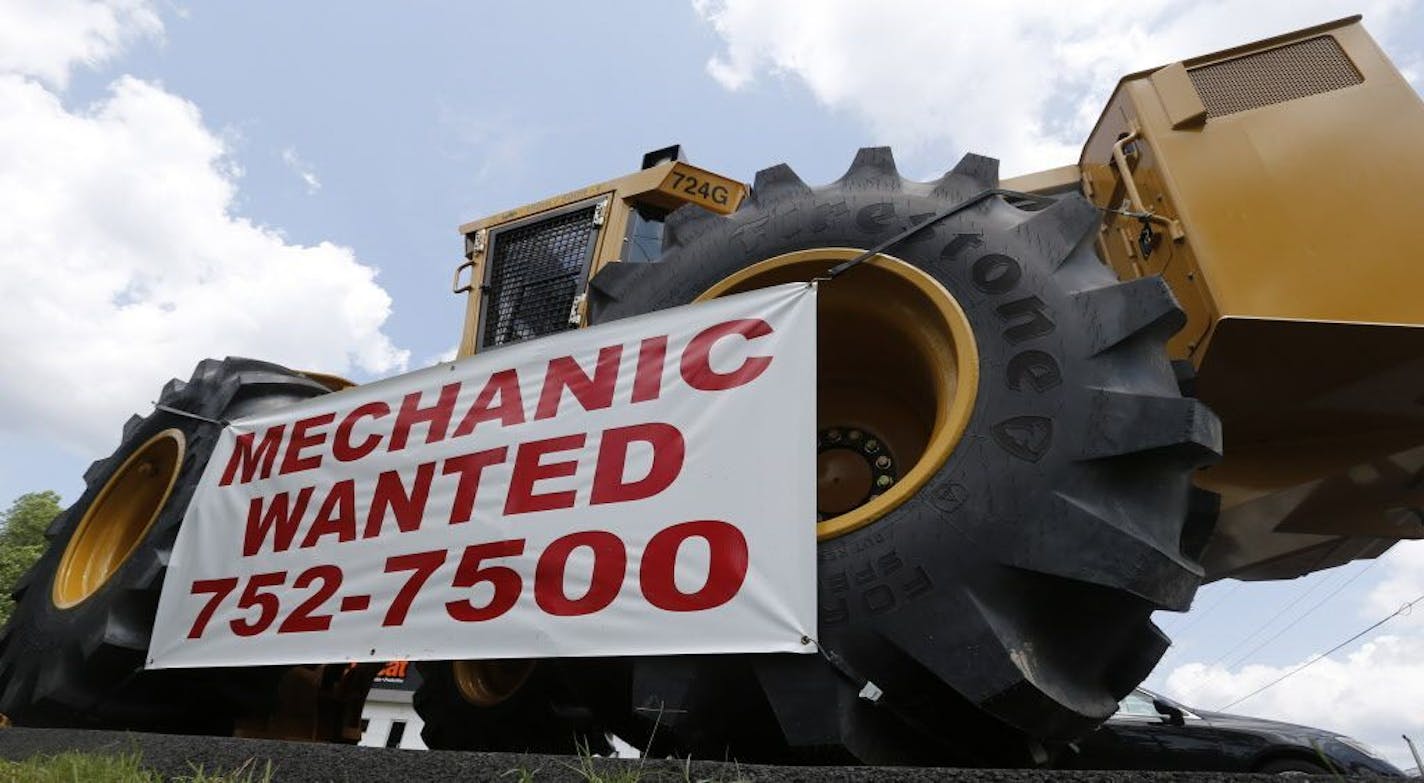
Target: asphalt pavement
[[176, 756]]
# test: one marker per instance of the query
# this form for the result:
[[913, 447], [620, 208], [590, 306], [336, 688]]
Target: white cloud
[[447, 355], [47, 38], [1372, 694], [1371, 691], [301, 168], [122, 259], [1023, 82]]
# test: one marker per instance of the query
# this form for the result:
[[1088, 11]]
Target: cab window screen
[[535, 272]]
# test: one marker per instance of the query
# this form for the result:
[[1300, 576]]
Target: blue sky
[[284, 180]]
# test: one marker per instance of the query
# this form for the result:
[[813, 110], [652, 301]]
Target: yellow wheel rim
[[487, 683], [897, 376], [119, 518]]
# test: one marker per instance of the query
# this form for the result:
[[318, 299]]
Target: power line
[[1303, 615], [1260, 629], [1181, 633], [1397, 612]]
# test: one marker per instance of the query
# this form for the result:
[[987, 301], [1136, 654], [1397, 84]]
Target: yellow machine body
[[1282, 184], [1278, 188], [614, 206]]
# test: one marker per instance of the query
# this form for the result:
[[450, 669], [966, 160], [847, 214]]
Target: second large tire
[[542, 707], [1005, 605], [73, 652]]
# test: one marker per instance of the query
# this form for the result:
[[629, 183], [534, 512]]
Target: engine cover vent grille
[[536, 271], [1297, 70]]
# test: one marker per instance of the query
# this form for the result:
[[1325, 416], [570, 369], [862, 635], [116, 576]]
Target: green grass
[[125, 768], [586, 769]]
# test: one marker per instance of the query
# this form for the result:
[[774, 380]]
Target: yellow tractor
[[1048, 406]]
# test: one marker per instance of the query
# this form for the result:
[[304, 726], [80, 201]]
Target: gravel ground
[[298, 761]]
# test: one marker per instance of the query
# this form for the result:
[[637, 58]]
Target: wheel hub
[[852, 468], [897, 371], [119, 518], [487, 683]]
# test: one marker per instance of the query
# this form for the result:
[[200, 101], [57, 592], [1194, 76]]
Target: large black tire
[[82, 666], [1006, 605], [548, 713]]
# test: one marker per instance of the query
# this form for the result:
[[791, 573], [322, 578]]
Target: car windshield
[[1137, 703]]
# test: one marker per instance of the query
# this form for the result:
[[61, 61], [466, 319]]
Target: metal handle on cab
[[1134, 197], [455, 285]]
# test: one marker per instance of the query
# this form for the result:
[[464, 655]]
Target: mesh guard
[[536, 271], [1298, 70]]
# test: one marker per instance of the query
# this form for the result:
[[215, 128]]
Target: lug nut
[[834, 436], [872, 446], [882, 462], [855, 435], [884, 481]]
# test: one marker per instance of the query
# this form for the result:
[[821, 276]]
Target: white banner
[[641, 487]]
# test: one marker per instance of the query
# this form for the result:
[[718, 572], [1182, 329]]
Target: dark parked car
[[1152, 732]]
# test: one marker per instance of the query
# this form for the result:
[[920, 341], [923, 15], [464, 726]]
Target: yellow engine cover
[[1285, 186]]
